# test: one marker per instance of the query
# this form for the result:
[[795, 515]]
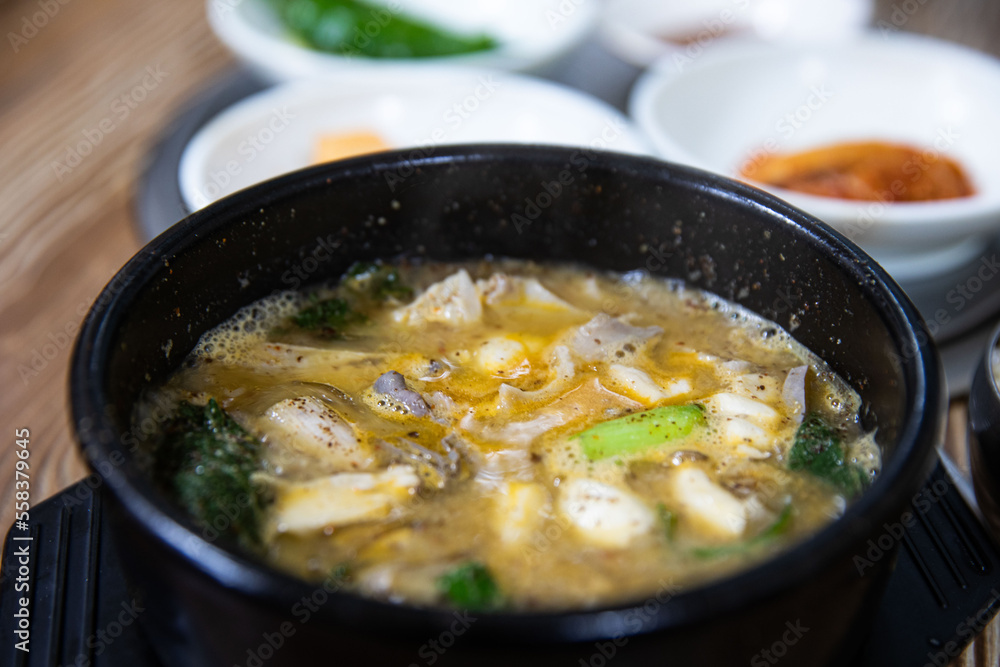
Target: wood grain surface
[[67, 226], [85, 88]]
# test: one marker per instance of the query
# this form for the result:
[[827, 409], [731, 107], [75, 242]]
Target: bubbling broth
[[508, 435]]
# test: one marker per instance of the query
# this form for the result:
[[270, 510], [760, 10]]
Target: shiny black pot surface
[[984, 440], [210, 605]]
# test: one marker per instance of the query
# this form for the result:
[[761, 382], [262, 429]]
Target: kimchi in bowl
[[743, 105]]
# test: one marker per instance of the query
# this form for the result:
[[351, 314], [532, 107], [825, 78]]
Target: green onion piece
[[329, 317], [668, 521], [379, 282], [779, 527], [819, 451], [470, 586], [766, 536], [634, 433]]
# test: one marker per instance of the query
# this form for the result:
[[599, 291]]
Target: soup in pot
[[507, 435]]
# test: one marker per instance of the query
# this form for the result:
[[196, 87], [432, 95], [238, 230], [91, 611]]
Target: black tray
[[943, 591], [81, 612]]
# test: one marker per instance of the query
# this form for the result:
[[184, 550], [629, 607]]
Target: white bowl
[[531, 34], [641, 31], [275, 131], [745, 98]]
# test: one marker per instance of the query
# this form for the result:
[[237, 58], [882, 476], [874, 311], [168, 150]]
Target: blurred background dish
[[742, 103], [291, 126], [529, 35], [640, 32]]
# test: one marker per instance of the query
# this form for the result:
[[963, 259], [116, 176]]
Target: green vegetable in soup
[[378, 282], [204, 464], [339, 575], [634, 433], [470, 586], [766, 536], [668, 521], [819, 451], [367, 285], [345, 27], [329, 317]]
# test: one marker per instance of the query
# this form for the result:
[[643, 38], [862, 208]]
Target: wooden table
[[85, 87]]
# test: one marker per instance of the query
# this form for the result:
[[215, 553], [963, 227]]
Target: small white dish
[[640, 31], [276, 130], [531, 34], [744, 100]]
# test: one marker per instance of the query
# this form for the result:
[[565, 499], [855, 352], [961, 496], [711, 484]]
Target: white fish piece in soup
[[340, 499], [603, 514]]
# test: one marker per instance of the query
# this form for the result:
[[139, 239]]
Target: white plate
[[531, 34], [275, 131], [741, 99]]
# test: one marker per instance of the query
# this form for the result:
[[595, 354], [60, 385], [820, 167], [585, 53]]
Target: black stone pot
[[209, 604], [984, 440]]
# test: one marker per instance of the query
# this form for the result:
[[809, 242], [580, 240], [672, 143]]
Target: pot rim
[[984, 402], [899, 480], [986, 363]]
